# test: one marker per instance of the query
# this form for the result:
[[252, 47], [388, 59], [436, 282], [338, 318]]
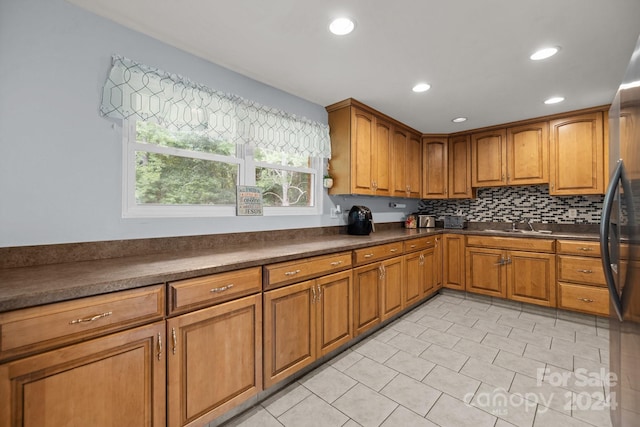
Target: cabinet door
[[528, 154], [489, 154], [531, 277], [435, 169], [577, 155], [116, 380], [289, 330], [460, 168], [366, 297], [214, 361], [362, 151], [486, 272], [392, 284], [414, 277], [381, 158], [453, 261], [399, 167], [437, 263], [413, 166], [334, 306], [429, 271]]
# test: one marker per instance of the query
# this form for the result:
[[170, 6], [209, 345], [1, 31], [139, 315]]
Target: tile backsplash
[[509, 204]]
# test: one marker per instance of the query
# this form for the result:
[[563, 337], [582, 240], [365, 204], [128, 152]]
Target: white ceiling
[[474, 53]]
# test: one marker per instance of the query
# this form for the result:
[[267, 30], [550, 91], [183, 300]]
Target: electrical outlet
[[334, 213], [573, 213]]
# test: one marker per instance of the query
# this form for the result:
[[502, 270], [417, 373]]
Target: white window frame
[[246, 176]]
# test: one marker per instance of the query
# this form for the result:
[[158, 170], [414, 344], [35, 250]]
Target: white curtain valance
[[140, 92]]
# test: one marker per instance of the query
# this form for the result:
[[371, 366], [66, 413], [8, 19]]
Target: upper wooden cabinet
[[514, 156], [577, 152], [364, 143], [435, 177], [460, 168], [489, 158], [413, 166], [528, 154]]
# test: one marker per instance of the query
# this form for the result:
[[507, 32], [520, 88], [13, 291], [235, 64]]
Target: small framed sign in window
[[249, 201]]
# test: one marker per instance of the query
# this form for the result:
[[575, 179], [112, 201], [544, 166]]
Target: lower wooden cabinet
[[422, 270], [214, 360], [495, 270], [453, 265], [304, 321], [392, 287], [115, 380], [366, 297], [531, 278]]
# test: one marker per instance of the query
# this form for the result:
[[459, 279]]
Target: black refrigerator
[[620, 244]]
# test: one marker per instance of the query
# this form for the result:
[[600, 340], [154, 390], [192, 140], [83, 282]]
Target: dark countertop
[[22, 287]]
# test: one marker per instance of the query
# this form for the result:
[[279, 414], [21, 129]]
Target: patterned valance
[[137, 91]]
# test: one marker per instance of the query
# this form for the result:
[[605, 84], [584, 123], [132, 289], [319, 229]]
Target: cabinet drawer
[[296, 271], [515, 243], [37, 328], [581, 270], [588, 299], [375, 253], [419, 244], [577, 247], [207, 290]]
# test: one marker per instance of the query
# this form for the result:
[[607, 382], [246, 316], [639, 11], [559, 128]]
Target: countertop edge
[[24, 287]]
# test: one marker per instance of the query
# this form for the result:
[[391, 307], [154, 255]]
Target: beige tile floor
[[457, 360]]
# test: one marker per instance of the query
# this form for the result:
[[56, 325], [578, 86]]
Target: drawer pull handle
[[412, 246], [159, 347], [587, 300], [585, 249], [368, 255], [393, 250], [91, 319], [222, 288], [291, 273], [336, 263], [175, 339], [585, 271]]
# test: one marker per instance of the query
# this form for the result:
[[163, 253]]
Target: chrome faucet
[[528, 221]]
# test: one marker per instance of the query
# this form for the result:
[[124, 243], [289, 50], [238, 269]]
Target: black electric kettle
[[360, 221]]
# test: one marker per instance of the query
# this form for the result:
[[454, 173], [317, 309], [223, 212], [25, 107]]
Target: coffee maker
[[360, 221]]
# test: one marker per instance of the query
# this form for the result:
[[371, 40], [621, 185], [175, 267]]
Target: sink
[[491, 230]]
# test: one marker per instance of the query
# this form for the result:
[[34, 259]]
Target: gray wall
[[60, 162]]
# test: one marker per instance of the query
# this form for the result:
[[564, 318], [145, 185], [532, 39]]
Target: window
[[187, 147], [187, 173]]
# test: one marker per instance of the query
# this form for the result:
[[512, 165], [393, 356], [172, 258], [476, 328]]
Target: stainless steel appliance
[[360, 221], [426, 221], [619, 228]]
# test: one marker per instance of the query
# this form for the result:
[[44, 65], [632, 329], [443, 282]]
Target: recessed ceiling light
[[459, 120], [554, 100], [544, 53], [342, 26], [421, 87]]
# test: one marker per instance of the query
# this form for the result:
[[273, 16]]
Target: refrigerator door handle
[[607, 206]]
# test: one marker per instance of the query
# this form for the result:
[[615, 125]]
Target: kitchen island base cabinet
[[305, 321], [214, 360], [116, 380]]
